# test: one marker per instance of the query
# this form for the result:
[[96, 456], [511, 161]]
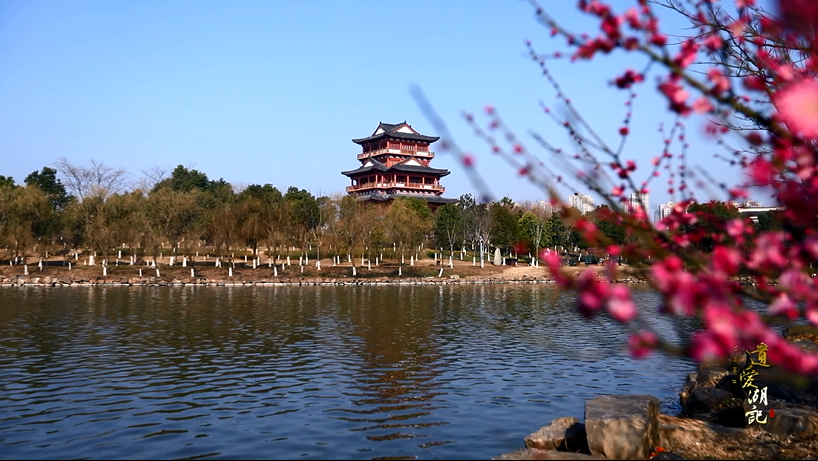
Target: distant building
[[545, 206], [583, 203], [395, 163], [639, 200], [664, 211]]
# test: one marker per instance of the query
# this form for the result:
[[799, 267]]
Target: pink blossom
[[620, 304], [798, 15], [702, 105], [726, 260], [641, 343], [784, 306], [797, 106], [705, 347], [720, 82]]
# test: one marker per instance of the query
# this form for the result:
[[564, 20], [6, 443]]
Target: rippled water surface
[[411, 372]]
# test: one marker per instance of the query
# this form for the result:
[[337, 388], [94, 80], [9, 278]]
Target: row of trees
[[74, 208]]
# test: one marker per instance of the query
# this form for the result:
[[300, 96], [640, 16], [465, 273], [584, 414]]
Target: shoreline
[[425, 272]]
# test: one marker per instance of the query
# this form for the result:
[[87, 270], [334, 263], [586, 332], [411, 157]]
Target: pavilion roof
[[401, 167], [396, 131]]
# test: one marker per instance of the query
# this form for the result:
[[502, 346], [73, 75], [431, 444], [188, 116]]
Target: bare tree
[[150, 178], [95, 180]]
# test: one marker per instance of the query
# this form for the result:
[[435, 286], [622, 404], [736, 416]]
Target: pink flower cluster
[[758, 81]]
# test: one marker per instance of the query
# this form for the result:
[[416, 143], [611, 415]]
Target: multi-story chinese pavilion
[[395, 163]]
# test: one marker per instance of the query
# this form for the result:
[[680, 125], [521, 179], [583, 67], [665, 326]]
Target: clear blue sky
[[273, 92]]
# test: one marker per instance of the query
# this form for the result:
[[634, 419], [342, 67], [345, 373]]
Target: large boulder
[[707, 377], [698, 439], [707, 399], [790, 420], [564, 434], [622, 426]]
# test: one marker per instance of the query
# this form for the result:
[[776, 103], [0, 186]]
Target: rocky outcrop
[[565, 434], [622, 426]]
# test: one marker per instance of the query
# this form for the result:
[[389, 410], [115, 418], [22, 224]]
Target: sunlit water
[[415, 372]]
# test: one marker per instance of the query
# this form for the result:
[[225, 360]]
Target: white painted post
[[140, 272], [354, 274], [25, 269], [318, 265], [192, 272], [288, 260], [275, 271], [230, 271], [91, 261], [440, 274], [69, 265], [184, 261], [411, 260], [369, 265], [474, 260], [400, 272], [104, 271], [157, 272]]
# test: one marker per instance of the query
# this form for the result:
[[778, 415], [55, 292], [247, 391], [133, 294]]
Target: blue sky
[[273, 92]]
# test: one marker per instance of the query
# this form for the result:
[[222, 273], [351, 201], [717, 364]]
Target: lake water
[[392, 372]]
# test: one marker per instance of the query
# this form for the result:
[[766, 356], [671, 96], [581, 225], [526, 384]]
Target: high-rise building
[[664, 211], [583, 203], [639, 200]]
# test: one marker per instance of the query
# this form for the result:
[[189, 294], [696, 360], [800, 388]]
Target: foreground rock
[[565, 434], [622, 426]]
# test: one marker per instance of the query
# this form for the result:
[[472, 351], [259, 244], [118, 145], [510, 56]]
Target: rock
[[808, 332], [622, 426], [707, 377], [565, 434], [732, 416], [707, 399], [790, 420], [700, 439], [535, 453]]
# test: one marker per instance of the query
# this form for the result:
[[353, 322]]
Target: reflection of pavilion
[[395, 163], [401, 362]]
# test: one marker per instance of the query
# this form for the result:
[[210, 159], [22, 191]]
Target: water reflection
[[308, 372]]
